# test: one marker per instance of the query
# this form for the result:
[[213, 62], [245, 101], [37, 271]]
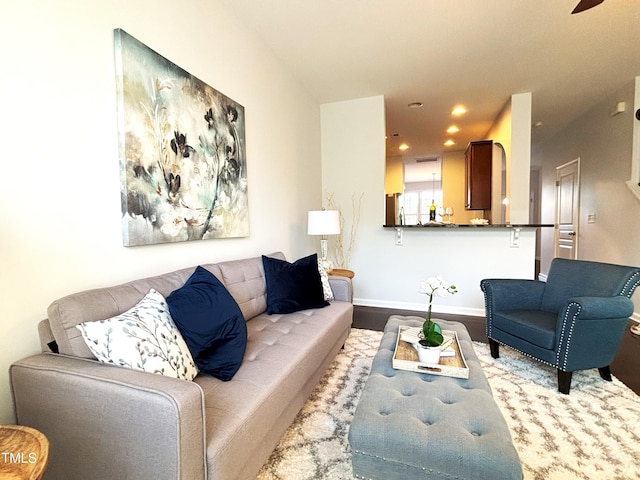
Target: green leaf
[[432, 333]]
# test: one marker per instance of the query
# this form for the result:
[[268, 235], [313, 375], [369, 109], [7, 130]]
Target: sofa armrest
[[342, 288], [46, 337], [106, 422]]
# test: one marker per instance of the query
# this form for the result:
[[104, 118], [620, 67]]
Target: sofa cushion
[[142, 338], [211, 323], [286, 356], [244, 279], [293, 286], [100, 303]]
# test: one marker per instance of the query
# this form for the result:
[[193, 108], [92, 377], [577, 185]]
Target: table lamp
[[324, 222]]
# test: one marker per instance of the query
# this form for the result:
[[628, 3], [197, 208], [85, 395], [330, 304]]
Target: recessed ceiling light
[[404, 147], [449, 142], [453, 129], [459, 110], [415, 105]]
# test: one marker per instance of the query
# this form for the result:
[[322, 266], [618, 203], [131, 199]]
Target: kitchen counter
[[471, 226]]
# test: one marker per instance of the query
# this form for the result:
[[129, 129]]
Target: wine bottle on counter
[[432, 211]]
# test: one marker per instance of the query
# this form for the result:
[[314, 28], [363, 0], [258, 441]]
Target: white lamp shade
[[324, 222]]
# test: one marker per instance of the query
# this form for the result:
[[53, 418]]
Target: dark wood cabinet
[[478, 175]]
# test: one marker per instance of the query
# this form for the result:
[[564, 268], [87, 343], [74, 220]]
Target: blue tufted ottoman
[[410, 425]]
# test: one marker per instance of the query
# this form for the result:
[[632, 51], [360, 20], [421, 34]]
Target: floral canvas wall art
[[183, 166]]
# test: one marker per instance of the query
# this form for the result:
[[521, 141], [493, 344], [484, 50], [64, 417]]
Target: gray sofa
[[107, 422]]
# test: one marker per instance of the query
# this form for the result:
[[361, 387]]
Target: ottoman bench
[[410, 425]]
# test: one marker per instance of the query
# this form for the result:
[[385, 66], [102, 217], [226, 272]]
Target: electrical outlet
[[514, 241], [398, 236]]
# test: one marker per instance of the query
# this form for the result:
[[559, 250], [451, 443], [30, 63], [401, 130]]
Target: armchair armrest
[[106, 422], [512, 294], [589, 331], [342, 288], [601, 307]]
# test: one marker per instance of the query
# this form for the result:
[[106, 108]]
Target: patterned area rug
[[593, 433]]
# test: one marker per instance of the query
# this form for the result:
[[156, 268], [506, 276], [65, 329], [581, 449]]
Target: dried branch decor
[[342, 255]]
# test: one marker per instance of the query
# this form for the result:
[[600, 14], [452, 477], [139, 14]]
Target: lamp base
[[327, 264]]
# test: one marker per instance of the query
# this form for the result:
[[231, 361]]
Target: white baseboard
[[419, 307]]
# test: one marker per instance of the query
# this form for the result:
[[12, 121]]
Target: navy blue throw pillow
[[293, 286], [211, 324]]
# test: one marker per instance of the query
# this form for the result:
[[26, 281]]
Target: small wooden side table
[[24, 452], [340, 272]]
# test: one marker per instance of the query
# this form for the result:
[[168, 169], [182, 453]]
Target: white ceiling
[[446, 52]]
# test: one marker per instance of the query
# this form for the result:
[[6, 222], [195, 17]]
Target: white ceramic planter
[[428, 354]]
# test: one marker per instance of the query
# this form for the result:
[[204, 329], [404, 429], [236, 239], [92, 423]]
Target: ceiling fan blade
[[586, 5]]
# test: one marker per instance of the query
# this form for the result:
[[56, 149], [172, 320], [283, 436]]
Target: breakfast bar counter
[[464, 226]]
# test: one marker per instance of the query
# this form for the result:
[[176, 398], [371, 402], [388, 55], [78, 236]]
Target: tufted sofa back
[[243, 278]]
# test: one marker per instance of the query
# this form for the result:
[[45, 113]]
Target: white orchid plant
[[431, 331]]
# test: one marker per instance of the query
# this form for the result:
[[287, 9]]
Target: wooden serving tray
[[406, 358]]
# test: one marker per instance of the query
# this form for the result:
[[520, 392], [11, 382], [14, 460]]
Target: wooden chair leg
[[564, 381], [494, 347], [605, 373]]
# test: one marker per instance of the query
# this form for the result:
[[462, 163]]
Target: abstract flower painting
[[183, 166]]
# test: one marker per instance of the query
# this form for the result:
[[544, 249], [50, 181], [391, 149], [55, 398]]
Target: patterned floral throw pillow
[[142, 338], [326, 286]]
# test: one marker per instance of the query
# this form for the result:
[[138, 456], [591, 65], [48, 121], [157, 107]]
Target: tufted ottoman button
[[416, 425]]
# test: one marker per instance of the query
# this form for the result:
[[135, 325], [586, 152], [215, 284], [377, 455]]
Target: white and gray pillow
[[143, 338], [324, 278]]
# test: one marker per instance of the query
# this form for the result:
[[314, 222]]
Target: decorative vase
[[428, 354]]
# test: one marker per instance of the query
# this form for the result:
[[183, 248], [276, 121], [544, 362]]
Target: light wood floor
[[625, 366]]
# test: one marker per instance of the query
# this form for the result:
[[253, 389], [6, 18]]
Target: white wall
[[604, 145], [387, 275], [60, 204], [520, 157]]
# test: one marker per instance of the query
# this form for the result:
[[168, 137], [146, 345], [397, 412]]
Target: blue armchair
[[573, 321]]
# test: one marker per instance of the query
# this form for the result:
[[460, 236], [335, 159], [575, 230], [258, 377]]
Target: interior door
[[567, 209]]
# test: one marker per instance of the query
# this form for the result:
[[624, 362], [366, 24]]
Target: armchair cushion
[[534, 326]]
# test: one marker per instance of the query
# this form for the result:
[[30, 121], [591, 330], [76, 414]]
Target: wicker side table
[[24, 452], [341, 272]]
